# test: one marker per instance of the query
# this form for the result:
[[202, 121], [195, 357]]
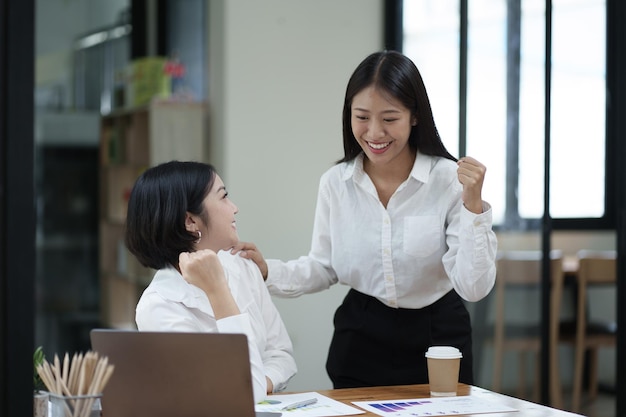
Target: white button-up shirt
[[407, 255], [170, 303]]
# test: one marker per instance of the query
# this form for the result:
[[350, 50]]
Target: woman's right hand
[[249, 250], [203, 269]]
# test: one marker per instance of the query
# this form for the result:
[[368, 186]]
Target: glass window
[[431, 40], [506, 98], [487, 96], [532, 89], [578, 109]]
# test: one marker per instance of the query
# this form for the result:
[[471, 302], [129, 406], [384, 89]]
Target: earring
[[199, 237]]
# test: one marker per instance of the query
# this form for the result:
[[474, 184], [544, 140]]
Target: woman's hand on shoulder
[[471, 174], [203, 269], [248, 250]]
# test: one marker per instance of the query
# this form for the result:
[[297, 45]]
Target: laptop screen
[[164, 374]]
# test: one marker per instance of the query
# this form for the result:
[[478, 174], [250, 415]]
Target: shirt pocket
[[422, 235]]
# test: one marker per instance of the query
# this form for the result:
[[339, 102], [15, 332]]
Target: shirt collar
[[420, 171], [422, 167], [352, 167]]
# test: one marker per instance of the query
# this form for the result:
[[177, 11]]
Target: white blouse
[[170, 303], [407, 255]]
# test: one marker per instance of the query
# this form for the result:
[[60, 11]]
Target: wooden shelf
[[131, 140]]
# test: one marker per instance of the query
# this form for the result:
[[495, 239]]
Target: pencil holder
[[75, 406]]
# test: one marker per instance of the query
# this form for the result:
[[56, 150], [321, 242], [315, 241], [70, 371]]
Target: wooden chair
[[522, 269], [595, 268]]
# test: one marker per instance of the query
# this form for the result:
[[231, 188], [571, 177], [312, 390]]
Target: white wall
[[277, 74]]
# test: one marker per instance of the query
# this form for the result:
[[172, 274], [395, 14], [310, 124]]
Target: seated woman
[[181, 223]]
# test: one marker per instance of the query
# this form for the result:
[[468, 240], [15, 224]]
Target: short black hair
[[155, 223], [396, 75]]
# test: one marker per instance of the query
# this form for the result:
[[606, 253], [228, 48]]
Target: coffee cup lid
[[443, 352]]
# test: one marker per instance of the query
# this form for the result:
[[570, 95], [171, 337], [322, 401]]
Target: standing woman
[[401, 222], [181, 222]]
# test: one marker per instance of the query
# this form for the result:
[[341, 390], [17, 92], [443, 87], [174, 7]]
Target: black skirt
[[375, 345]]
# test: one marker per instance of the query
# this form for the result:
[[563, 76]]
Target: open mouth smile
[[378, 146]]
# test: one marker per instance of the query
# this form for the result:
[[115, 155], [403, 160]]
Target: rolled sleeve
[[241, 324], [473, 268]]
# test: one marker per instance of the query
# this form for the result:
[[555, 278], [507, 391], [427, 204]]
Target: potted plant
[[40, 396]]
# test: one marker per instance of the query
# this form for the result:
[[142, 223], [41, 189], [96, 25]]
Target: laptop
[[165, 374]]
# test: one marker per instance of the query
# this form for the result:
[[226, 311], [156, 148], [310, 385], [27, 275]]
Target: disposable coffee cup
[[443, 370]]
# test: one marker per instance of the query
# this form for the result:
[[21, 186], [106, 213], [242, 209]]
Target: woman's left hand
[[249, 250], [471, 174]]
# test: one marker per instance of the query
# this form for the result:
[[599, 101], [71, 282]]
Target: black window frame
[[17, 208]]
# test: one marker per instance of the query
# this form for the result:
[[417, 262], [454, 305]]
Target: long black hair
[[155, 223], [395, 74]]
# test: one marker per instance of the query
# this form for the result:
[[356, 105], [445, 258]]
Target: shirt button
[[392, 303], [386, 221], [389, 278]]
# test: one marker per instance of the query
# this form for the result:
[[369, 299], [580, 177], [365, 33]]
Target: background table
[[397, 392]]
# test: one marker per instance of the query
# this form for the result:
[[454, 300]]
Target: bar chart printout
[[436, 406]]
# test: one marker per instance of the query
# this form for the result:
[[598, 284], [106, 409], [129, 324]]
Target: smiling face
[[217, 222], [381, 126]]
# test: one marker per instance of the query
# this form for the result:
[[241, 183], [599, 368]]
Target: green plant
[[38, 358]]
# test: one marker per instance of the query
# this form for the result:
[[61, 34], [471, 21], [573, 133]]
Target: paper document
[[323, 406], [434, 406]]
